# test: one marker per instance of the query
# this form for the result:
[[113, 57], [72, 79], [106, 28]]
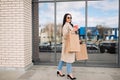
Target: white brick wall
[[15, 33], [28, 31]]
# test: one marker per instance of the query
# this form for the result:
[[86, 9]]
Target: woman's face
[[68, 18]]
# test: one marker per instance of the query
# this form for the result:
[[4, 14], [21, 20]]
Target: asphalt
[[45, 72]]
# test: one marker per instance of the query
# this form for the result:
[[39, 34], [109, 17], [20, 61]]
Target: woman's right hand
[[75, 28]]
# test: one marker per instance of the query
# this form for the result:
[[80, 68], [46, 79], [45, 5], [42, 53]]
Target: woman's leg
[[59, 71], [69, 68], [69, 71], [60, 65]]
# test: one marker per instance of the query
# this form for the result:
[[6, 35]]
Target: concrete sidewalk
[[40, 72]]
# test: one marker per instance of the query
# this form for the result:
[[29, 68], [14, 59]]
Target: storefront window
[[98, 28]]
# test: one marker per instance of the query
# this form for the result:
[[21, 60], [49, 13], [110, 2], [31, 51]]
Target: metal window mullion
[[55, 28], [119, 39], [86, 19], [86, 12]]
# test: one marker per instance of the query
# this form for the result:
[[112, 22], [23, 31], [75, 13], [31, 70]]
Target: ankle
[[71, 75], [60, 72]]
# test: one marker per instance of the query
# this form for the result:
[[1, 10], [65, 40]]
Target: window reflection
[[46, 26], [103, 25]]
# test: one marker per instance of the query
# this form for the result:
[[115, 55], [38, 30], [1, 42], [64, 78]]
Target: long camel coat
[[66, 57]]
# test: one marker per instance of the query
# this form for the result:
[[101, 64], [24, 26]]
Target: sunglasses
[[69, 17]]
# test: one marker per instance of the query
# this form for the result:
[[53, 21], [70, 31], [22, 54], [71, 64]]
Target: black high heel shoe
[[61, 75], [68, 76]]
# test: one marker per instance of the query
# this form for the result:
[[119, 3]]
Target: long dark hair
[[64, 19]]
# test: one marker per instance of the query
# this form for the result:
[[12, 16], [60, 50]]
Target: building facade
[[19, 34]]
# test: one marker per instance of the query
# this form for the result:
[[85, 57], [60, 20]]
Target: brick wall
[[15, 33], [28, 31]]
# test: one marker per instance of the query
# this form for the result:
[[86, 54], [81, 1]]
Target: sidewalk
[[41, 72]]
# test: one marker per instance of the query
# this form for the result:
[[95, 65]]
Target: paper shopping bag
[[72, 43], [82, 55]]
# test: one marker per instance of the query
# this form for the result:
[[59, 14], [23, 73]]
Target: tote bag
[[72, 43], [82, 55]]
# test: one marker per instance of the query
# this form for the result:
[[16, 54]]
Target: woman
[[69, 58]]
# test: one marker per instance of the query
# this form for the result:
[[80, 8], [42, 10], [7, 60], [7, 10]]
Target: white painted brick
[[15, 33]]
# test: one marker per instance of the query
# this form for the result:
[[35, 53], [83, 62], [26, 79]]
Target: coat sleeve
[[65, 32], [70, 27], [66, 29]]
